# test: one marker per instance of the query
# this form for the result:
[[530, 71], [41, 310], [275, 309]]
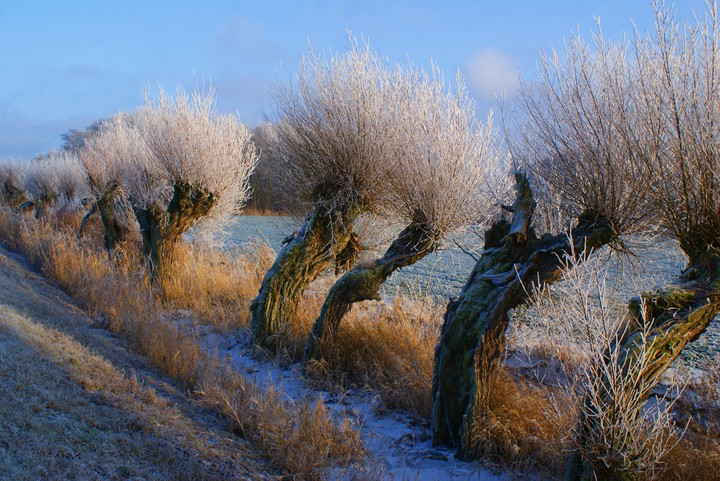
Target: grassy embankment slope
[[77, 404]]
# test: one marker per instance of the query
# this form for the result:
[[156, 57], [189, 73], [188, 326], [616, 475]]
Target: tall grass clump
[[218, 285], [299, 436], [387, 347]]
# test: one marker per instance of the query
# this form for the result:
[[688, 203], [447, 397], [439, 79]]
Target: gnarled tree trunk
[[363, 283], [473, 334], [677, 314], [162, 230], [114, 231], [104, 205], [325, 238]]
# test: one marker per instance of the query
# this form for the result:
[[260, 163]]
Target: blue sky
[[64, 64]]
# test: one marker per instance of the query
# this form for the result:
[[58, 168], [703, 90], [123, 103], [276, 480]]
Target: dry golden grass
[[296, 436], [524, 429], [694, 458], [218, 286], [697, 456], [69, 413], [389, 348]]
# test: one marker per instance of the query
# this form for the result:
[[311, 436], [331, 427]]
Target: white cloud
[[491, 73]]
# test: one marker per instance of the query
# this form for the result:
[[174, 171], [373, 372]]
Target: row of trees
[[617, 137], [170, 164], [620, 136]]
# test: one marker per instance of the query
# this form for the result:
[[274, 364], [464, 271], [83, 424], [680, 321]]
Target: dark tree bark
[[104, 205], [161, 231], [42, 202], [91, 211], [25, 206], [677, 314], [363, 283], [12, 195], [114, 232], [473, 334], [325, 238]]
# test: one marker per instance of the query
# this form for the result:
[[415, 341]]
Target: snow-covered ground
[[398, 446]]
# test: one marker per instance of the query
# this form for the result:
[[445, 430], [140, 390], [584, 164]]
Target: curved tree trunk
[[324, 238], [678, 314], [86, 218], [162, 230], [363, 283], [25, 206], [115, 232], [473, 333]]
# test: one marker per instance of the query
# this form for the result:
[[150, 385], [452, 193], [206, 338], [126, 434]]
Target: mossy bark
[[325, 238], [363, 283], [677, 314], [473, 333], [161, 231], [104, 205]]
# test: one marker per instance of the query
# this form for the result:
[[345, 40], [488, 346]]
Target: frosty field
[[441, 275]]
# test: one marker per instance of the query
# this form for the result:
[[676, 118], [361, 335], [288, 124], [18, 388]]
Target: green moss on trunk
[[363, 283], [678, 314], [317, 245], [161, 231], [472, 336]]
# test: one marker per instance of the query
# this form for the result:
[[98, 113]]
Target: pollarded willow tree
[[438, 181], [12, 190], [54, 178], [337, 132], [197, 165], [678, 102], [105, 155], [571, 140]]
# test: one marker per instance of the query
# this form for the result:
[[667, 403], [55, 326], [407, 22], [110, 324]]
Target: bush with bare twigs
[[443, 178], [580, 324], [12, 185], [105, 156], [596, 132], [55, 178], [338, 132], [197, 167]]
